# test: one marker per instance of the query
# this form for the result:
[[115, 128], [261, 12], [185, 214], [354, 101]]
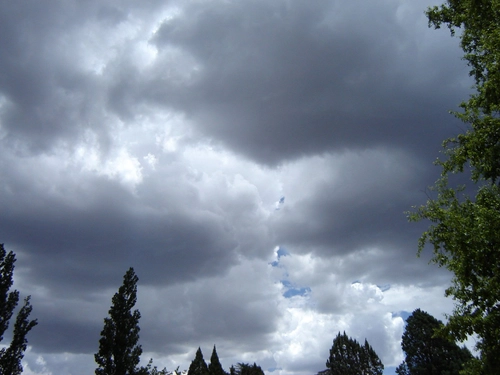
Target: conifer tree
[[198, 366], [11, 356], [119, 351], [215, 368]]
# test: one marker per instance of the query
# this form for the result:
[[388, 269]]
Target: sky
[[252, 160]]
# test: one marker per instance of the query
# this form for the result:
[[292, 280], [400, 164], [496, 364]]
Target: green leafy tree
[[215, 368], [348, 357], [198, 366], [426, 354], [11, 356], [465, 226], [119, 352]]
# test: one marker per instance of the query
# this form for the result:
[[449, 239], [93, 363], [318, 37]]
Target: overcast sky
[[252, 160]]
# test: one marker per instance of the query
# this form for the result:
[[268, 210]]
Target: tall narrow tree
[[215, 368], [119, 351], [11, 356], [198, 365]]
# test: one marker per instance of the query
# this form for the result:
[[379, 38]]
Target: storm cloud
[[252, 160]]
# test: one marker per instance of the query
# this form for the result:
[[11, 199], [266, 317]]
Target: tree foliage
[[119, 352], [348, 357], [479, 23], [198, 366], [427, 354], [149, 369], [246, 369], [215, 368], [465, 226], [11, 356]]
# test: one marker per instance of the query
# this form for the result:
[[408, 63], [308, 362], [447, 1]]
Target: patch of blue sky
[[403, 314], [281, 252], [293, 291]]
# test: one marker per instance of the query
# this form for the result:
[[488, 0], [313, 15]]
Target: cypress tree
[[215, 368], [119, 351], [198, 365]]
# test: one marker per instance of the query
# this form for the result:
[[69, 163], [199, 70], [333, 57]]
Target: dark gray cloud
[[279, 81], [160, 135]]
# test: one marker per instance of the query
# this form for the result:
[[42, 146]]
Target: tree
[[348, 357], [119, 352], [465, 220], [426, 354], [11, 356], [246, 369], [198, 366], [215, 368], [153, 370]]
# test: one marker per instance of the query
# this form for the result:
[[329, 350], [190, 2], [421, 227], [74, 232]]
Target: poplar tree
[[119, 351], [11, 356]]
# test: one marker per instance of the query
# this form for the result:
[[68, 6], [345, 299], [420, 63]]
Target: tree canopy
[[198, 366], [246, 369], [426, 354], [119, 352], [11, 355], [348, 357], [465, 220], [215, 367]]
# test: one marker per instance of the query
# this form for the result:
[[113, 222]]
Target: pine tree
[[215, 368], [348, 357], [119, 351], [11, 356], [198, 365]]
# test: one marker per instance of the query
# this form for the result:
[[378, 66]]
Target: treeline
[[119, 349], [425, 353]]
